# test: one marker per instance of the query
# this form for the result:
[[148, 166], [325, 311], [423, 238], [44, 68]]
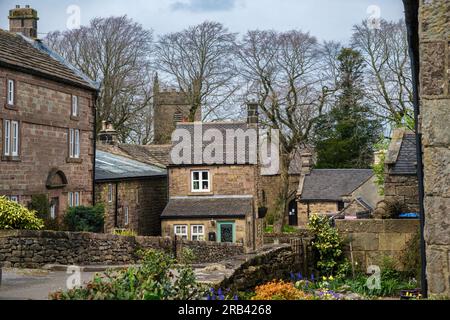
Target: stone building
[[46, 120], [400, 179], [333, 191], [133, 193], [170, 106], [215, 200], [429, 38]]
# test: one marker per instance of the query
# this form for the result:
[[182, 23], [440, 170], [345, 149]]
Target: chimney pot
[[17, 6]]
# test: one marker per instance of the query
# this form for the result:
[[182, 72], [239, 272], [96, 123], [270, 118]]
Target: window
[[74, 143], [74, 199], [11, 97], [197, 233], [74, 106], [53, 211], [200, 181], [181, 231], [13, 198], [110, 193], [11, 140], [126, 216]]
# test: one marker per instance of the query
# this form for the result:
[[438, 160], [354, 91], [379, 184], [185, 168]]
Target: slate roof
[[109, 166], [333, 184], [241, 157], [208, 207], [32, 56], [406, 161], [154, 154]]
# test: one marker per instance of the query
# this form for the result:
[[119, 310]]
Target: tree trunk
[[282, 200]]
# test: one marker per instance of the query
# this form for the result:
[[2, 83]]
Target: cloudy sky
[[326, 19]]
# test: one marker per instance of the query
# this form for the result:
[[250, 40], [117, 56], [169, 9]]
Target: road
[[25, 284]]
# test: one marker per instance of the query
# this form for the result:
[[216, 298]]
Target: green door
[[226, 232]]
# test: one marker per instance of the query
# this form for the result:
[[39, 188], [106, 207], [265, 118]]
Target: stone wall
[[434, 34], [34, 249], [43, 110], [374, 239], [306, 209], [275, 263], [144, 198], [403, 189], [274, 238]]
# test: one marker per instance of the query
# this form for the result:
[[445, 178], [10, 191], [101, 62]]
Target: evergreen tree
[[345, 137]]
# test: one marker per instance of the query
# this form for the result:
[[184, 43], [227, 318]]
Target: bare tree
[[388, 80], [199, 60], [116, 53], [285, 72]]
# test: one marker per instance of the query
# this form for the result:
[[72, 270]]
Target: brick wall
[[145, 200], [374, 239], [43, 109], [34, 249]]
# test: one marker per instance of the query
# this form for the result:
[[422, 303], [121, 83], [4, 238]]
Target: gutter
[[412, 22]]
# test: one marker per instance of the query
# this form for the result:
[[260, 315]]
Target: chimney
[[306, 163], [108, 135], [252, 113], [24, 21]]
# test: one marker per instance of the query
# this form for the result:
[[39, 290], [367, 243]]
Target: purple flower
[[219, 292], [292, 276], [299, 276], [312, 277], [235, 297]]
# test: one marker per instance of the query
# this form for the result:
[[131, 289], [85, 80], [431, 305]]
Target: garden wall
[[372, 239], [34, 249], [273, 238]]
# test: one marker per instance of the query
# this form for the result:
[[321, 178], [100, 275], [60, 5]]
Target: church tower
[[170, 106]]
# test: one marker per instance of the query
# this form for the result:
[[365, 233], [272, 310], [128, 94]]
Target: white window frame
[[74, 143], [74, 199], [11, 98], [70, 198], [199, 236], [200, 181], [181, 230], [127, 216], [13, 198], [53, 211], [110, 193], [7, 139], [15, 135], [74, 109]]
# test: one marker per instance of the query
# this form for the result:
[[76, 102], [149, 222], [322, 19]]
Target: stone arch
[[56, 179]]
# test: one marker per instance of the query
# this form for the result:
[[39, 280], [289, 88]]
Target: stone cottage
[[333, 191], [215, 200], [400, 179], [46, 120], [133, 193]]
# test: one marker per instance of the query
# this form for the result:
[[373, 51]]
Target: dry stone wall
[[34, 249]]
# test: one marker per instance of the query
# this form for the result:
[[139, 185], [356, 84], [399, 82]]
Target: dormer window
[[200, 181], [11, 92], [74, 106]]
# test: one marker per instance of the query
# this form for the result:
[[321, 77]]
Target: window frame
[[126, 219], [10, 94], [7, 137], [14, 198], [198, 234], [15, 138], [74, 198], [11, 140], [184, 236], [200, 181], [74, 143], [75, 106], [110, 193]]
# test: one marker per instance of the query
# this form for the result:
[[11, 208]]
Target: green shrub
[[153, 280], [411, 259], [378, 170], [328, 246], [85, 219], [16, 216], [41, 205]]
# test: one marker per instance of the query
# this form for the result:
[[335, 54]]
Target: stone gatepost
[[434, 34]]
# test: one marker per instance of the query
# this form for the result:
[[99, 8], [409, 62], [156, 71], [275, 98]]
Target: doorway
[[293, 218], [226, 232]]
